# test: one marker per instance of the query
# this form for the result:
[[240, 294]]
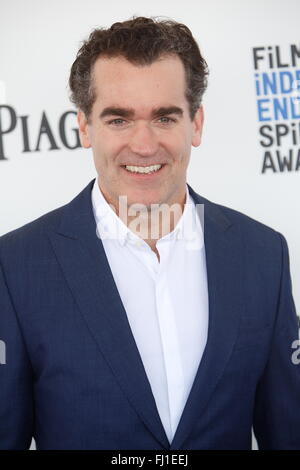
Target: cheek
[[180, 149], [180, 141], [104, 153]]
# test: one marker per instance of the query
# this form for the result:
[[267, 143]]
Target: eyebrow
[[129, 112]]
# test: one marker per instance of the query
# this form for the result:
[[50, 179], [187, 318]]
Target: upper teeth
[[143, 169]]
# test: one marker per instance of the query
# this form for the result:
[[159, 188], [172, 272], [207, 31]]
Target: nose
[[143, 140]]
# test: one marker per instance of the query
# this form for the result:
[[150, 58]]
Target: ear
[[197, 127], [83, 130]]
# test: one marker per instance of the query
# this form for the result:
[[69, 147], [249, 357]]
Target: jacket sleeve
[[16, 381], [276, 421]]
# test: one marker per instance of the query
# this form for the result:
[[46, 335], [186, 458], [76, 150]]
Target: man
[[128, 331]]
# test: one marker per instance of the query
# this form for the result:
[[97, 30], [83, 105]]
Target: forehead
[[117, 81]]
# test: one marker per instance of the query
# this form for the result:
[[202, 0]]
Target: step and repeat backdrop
[[249, 158]]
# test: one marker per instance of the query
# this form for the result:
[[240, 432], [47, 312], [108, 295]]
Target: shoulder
[[249, 225], [226, 216], [258, 240], [255, 234], [31, 239]]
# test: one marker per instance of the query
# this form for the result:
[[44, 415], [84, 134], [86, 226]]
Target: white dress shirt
[[166, 301]]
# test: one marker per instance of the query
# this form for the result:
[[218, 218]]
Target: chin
[[143, 199]]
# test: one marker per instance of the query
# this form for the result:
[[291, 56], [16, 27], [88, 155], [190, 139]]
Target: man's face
[[141, 118]]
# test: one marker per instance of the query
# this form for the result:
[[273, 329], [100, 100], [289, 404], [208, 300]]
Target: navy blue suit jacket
[[73, 377]]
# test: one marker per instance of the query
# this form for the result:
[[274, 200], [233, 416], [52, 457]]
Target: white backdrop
[[38, 43]]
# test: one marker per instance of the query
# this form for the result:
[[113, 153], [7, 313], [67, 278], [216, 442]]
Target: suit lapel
[[224, 274], [83, 260]]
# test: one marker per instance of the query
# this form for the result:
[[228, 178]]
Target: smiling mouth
[[143, 170]]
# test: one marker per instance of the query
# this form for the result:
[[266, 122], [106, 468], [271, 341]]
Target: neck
[[155, 221], [152, 222]]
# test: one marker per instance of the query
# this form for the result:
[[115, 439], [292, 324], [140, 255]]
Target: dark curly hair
[[141, 41]]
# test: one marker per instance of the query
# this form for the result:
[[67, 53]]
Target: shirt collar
[[109, 225]]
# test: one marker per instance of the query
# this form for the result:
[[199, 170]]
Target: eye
[[166, 120], [117, 122]]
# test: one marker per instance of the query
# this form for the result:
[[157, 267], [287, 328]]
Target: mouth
[[144, 172]]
